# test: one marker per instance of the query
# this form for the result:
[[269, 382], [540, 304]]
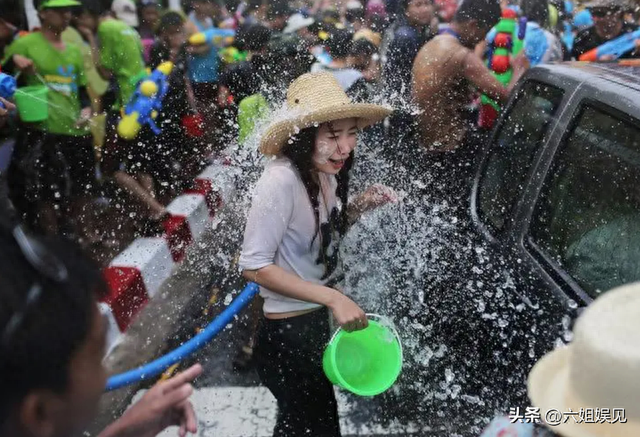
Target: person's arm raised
[[476, 72]]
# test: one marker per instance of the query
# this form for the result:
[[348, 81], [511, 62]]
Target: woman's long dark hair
[[299, 150]]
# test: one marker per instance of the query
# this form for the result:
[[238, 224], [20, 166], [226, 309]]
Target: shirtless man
[[445, 67]]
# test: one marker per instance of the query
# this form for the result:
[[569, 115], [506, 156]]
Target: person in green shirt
[[119, 58], [83, 28], [53, 165]]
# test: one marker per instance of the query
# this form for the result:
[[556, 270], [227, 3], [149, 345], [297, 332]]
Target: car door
[[580, 227], [516, 144], [524, 329], [512, 166]]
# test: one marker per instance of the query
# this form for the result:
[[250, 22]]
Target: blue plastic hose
[[161, 364]]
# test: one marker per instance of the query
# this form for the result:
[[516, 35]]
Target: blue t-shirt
[[204, 68]]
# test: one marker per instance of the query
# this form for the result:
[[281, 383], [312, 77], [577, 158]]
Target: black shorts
[[51, 167], [289, 363]]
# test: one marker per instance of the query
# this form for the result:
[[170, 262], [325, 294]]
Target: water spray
[[161, 364]]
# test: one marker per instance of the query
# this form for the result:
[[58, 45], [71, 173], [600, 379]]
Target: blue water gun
[[615, 48], [7, 87], [567, 35], [217, 37], [146, 103]]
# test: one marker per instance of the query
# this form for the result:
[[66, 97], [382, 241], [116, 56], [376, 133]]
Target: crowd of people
[[90, 56], [340, 68]]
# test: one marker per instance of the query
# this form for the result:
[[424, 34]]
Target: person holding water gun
[[53, 165], [204, 60], [608, 25], [443, 71], [119, 59], [540, 44]]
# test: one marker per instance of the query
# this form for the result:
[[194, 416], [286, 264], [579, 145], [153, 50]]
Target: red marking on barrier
[[211, 195], [127, 293], [178, 236]]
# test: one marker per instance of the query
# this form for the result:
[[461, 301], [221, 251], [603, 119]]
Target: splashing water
[[468, 331]]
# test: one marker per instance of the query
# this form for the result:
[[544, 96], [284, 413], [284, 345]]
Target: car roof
[[626, 73]]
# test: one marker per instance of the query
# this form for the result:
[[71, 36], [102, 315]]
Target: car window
[[588, 217], [513, 151]]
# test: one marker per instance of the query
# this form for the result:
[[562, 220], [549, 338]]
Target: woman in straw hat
[[592, 387], [299, 212]]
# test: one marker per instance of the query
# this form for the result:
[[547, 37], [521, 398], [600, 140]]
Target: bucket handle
[[382, 319]]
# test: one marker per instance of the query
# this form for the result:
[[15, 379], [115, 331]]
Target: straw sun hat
[[313, 99], [599, 369]]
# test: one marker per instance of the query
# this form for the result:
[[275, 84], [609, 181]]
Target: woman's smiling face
[[334, 142]]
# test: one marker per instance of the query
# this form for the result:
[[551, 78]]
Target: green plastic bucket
[[365, 362], [32, 103]]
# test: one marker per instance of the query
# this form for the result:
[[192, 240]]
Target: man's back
[[441, 92]]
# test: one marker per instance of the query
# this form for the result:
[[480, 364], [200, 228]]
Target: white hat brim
[[279, 132], [547, 387]]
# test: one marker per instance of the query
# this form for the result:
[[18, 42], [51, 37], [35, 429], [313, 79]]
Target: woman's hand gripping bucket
[[365, 362]]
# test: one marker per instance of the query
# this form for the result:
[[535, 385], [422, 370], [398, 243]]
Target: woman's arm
[[279, 280], [346, 312]]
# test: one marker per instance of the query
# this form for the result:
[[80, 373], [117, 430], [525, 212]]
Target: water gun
[[231, 55], [7, 87], [145, 103], [567, 35], [616, 47], [508, 42], [217, 37]]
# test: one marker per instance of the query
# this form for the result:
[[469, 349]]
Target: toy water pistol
[[146, 103], [7, 87], [614, 48], [217, 37], [508, 42], [231, 55]]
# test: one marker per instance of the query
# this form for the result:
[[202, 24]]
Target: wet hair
[[38, 354], [169, 19], [363, 47], [354, 14], [92, 7], [286, 59], [278, 8], [331, 16], [254, 5], [404, 5], [536, 11], [339, 43], [241, 79], [254, 37], [12, 12], [485, 12], [300, 152]]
